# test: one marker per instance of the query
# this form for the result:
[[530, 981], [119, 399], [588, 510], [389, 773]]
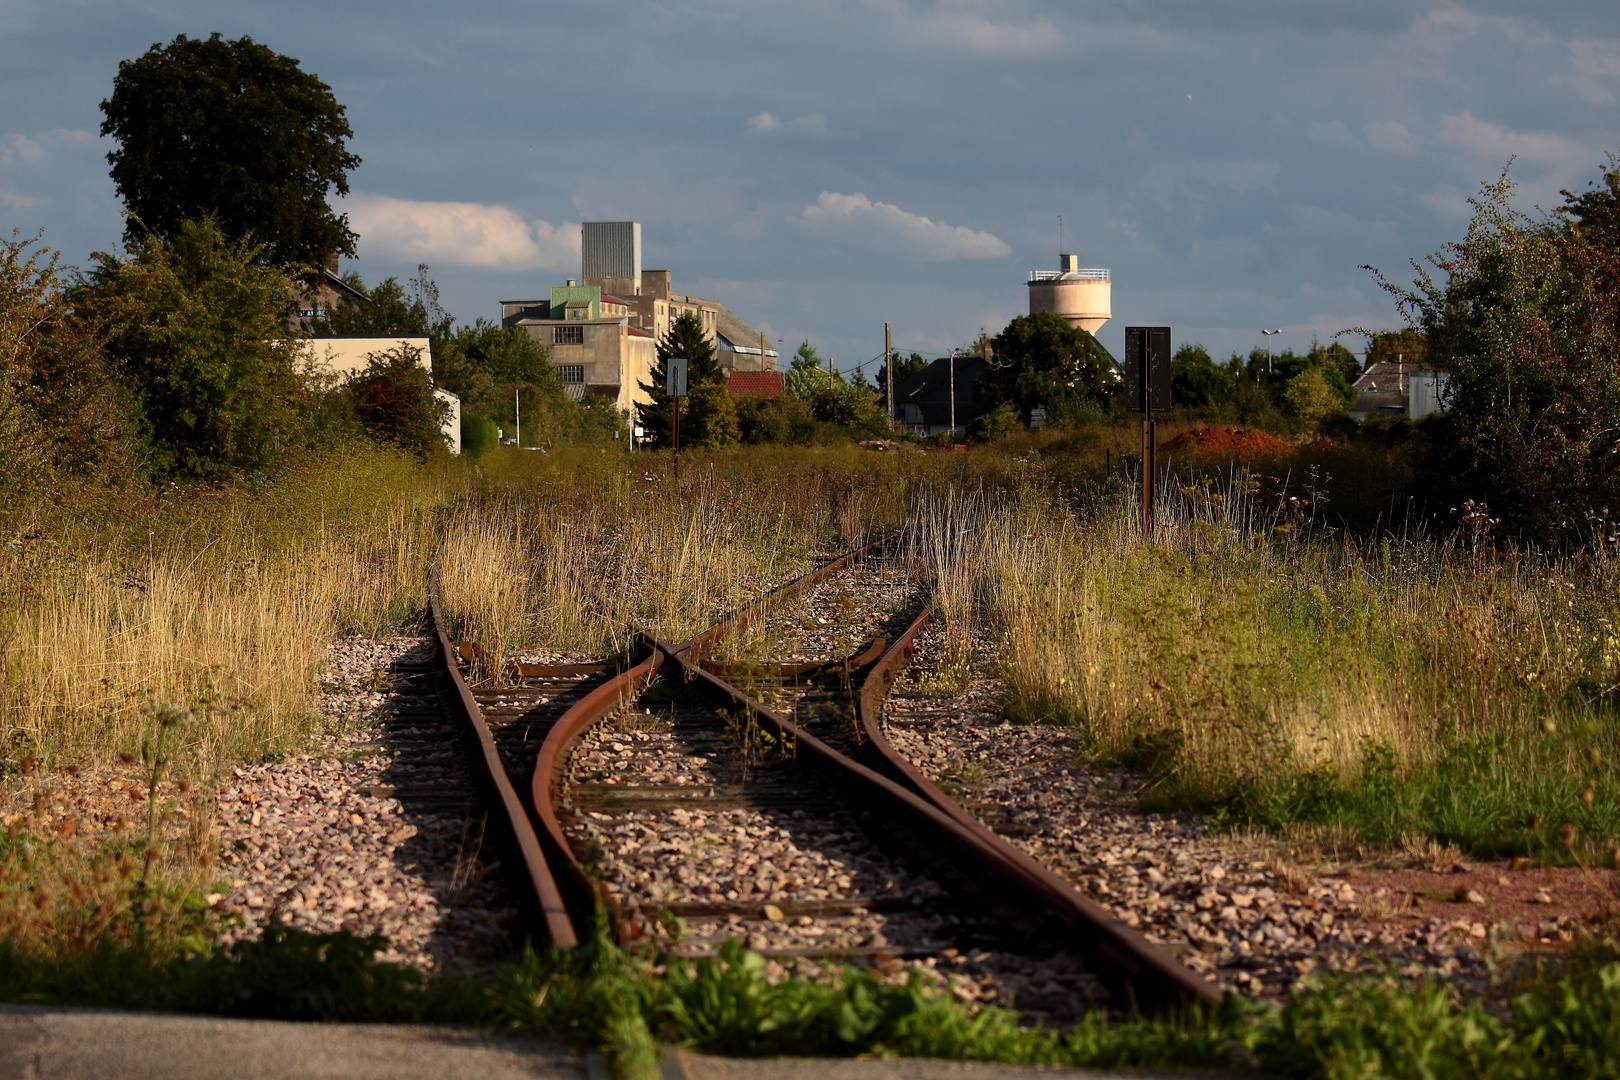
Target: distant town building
[[575, 322], [922, 403], [1400, 388], [1083, 297], [315, 301], [592, 344]]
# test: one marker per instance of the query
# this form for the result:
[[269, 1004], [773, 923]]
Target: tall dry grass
[[225, 605], [592, 546], [1247, 654]]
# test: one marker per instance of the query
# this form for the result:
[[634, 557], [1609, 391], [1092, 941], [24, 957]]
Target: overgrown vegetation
[[1567, 1025]]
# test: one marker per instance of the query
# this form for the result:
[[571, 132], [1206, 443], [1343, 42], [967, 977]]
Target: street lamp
[[1268, 334]]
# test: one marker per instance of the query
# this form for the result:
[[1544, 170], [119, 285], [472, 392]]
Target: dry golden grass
[[226, 612], [1262, 652]]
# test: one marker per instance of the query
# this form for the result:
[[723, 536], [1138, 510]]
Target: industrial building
[[1083, 297], [1412, 389], [602, 329]]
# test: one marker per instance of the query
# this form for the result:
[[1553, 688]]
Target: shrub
[[998, 423], [196, 325], [394, 401], [710, 419], [1309, 397], [1527, 321], [478, 435]]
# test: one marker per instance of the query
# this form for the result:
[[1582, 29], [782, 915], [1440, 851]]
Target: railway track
[[693, 792]]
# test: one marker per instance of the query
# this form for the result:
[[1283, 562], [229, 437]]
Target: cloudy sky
[[822, 166]]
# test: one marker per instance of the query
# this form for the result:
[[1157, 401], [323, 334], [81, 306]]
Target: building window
[[568, 335], [571, 372]]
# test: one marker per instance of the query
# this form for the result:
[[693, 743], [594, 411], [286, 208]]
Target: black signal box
[[1147, 368]]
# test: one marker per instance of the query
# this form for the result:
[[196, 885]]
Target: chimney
[[332, 264], [572, 283]]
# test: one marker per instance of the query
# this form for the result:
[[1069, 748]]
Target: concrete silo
[[1083, 297]]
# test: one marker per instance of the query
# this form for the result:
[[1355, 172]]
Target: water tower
[[1083, 297]]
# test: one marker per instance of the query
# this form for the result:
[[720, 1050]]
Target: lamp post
[[1267, 334]]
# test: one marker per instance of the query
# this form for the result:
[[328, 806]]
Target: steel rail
[[551, 766], [1152, 977], [559, 927], [1145, 977]]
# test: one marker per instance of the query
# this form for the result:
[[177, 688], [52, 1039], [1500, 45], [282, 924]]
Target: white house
[[344, 355]]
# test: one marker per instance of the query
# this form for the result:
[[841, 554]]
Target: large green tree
[[1040, 359], [685, 338], [235, 131]]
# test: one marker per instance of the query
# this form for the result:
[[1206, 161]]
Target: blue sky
[[822, 166]]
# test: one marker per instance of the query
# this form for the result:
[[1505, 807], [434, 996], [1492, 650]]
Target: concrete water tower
[[1083, 297]]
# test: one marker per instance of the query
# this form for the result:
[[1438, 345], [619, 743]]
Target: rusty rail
[[1149, 976], [1144, 977], [559, 927]]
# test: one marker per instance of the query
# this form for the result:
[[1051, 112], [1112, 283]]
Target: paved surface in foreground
[[81, 1044]]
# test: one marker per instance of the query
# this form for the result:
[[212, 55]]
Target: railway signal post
[[675, 386], [1147, 388]]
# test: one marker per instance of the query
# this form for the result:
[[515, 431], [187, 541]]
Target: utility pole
[[762, 366], [829, 374], [888, 378], [953, 395], [517, 409]]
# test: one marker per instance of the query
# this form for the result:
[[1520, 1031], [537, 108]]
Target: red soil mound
[[1227, 442]]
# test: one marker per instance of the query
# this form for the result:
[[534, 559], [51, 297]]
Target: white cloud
[[1500, 142], [1595, 57], [970, 33], [460, 234], [766, 124], [1333, 131], [857, 219], [1390, 136], [32, 150]]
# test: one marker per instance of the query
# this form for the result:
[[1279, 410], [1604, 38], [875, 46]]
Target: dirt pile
[[1226, 442]]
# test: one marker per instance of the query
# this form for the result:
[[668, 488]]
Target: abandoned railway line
[[739, 785]]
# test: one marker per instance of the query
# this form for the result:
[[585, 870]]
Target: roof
[[606, 299], [332, 281], [932, 383], [737, 335], [636, 331], [1387, 372], [767, 384]]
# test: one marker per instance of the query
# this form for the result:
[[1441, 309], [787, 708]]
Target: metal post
[[677, 439], [1149, 438], [517, 408], [888, 378], [953, 396]]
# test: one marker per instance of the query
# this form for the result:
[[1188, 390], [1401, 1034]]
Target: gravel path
[[375, 833], [1217, 902]]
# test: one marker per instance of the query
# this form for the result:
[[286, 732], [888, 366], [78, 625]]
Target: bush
[[394, 401], [998, 423], [1309, 397], [478, 435], [196, 325], [709, 419], [62, 413], [1527, 321]]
